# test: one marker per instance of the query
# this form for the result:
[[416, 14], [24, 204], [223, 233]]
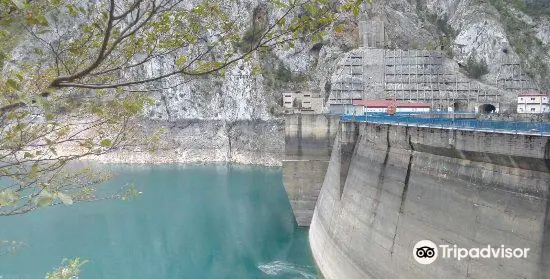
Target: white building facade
[[288, 99], [302, 102], [533, 103]]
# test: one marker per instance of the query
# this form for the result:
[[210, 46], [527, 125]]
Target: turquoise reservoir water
[[191, 222]]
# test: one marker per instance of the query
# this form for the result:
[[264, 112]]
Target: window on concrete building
[[532, 99], [521, 99], [532, 109], [520, 109]]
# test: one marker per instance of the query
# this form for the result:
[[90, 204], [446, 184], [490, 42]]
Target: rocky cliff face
[[196, 141], [499, 32], [511, 36]]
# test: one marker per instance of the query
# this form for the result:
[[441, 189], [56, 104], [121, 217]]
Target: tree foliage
[[476, 69], [522, 36], [70, 269], [76, 76]]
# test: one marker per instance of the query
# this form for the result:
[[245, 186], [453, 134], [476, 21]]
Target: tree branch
[[101, 54]]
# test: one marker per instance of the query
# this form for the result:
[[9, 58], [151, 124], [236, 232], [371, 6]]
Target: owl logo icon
[[425, 252]]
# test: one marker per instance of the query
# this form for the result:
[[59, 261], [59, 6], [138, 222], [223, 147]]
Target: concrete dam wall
[[388, 187], [308, 144]]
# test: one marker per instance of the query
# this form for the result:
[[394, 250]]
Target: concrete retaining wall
[[406, 184], [308, 144]]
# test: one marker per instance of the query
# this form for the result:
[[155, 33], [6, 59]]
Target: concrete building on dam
[[533, 103]]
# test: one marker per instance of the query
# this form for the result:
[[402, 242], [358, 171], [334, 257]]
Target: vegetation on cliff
[[476, 69], [521, 35]]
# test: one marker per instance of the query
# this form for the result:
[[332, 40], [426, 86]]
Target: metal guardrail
[[508, 127]]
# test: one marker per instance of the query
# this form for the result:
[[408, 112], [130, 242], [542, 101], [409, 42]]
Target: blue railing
[[511, 127]]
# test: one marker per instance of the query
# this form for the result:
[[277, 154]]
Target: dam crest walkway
[[540, 128]]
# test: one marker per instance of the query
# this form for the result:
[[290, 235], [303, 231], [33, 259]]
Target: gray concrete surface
[[308, 144], [406, 184]]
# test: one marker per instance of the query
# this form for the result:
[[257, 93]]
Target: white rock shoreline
[[249, 142]]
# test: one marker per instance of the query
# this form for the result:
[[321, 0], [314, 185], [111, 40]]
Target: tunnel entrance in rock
[[487, 108], [456, 107], [459, 106]]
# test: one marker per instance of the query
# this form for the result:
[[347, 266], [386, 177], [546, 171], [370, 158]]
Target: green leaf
[[19, 75], [181, 60], [42, 20], [339, 28], [282, 22], [33, 172], [8, 197], [356, 10], [65, 199], [279, 4], [72, 10], [45, 198], [28, 155], [105, 142], [69, 269], [12, 83], [3, 199], [32, 20]]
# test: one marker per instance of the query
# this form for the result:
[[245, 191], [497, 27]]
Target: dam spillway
[[387, 187]]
